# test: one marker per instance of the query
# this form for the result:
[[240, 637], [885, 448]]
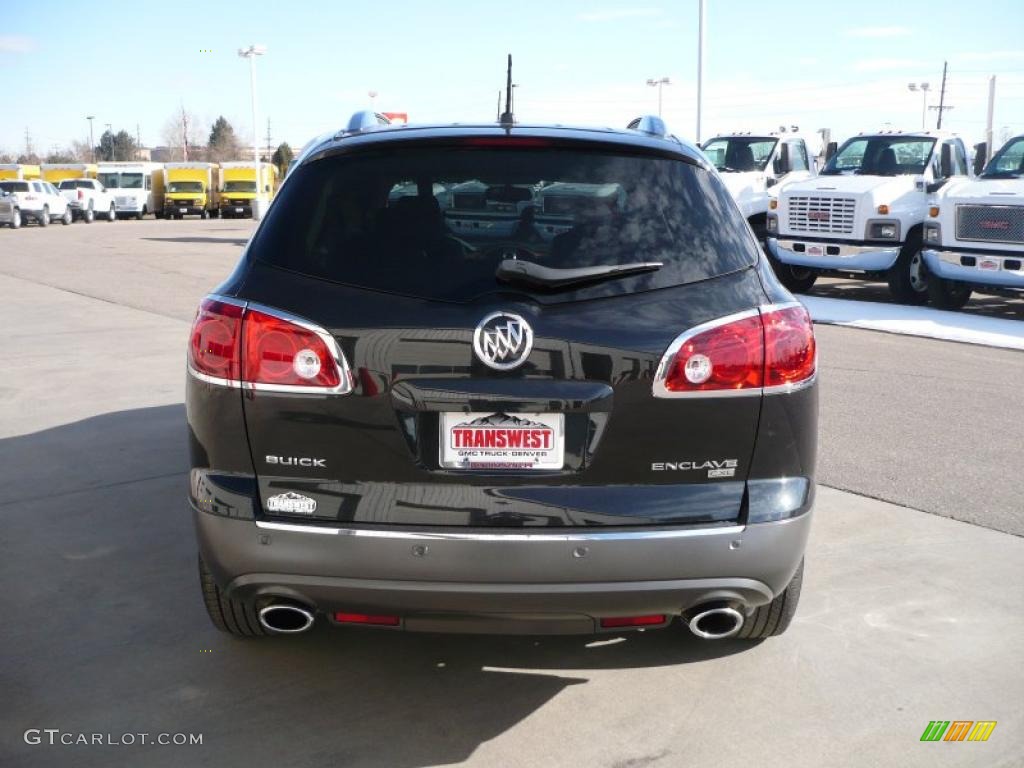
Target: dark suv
[[502, 378]]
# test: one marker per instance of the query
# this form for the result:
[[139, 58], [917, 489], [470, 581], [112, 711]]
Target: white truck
[[751, 164], [138, 187], [864, 214], [974, 234], [88, 199]]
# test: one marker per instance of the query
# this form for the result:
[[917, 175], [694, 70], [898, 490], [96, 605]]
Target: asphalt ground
[[906, 616]]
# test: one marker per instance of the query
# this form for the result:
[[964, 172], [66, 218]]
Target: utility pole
[[184, 134], [269, 150], [991, 111], [138, 142], [700, 62], [942, 97], [92, 146], [28, 141]]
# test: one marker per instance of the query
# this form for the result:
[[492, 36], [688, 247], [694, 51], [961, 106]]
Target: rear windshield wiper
[[521, 271]]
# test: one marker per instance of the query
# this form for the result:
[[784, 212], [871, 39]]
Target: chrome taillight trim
[[659, 389], [346, 381]]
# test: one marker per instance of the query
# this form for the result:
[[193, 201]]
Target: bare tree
[[182, 134]]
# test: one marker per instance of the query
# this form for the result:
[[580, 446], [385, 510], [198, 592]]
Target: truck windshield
[[881, 156], [7, 187], [239, 186], [1008, 162], [735, 153], [121, 180], [185, 186]]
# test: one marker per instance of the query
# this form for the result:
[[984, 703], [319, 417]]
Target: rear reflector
[[363, 618], [235, 345], [760, 350], [633, 621]]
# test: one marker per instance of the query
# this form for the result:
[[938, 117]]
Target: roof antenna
[[506, 118]]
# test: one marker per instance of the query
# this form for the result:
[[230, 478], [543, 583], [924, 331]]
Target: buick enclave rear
[[502, 379]]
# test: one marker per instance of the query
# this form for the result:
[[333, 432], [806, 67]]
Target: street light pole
[[923, 88], [700, 62], [92, 145], [251, 53], [659, 83]]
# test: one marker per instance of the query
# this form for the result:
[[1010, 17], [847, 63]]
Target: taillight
[[759, 350], [215, 346], [283, 353], [81, 194], [790, 352], [236, 345]]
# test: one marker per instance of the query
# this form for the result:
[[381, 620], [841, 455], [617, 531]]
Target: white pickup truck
[[88, 199], [863, 215], [974, 234]]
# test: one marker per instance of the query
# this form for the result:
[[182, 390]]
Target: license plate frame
[[815, 250], [496, 440]]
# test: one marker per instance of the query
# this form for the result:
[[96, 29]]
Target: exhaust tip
[[286, 618], [716, 622]]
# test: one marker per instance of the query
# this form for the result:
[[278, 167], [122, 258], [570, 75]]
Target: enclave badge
[[503, 341]]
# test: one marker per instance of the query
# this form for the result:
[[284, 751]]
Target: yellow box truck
[[138, 187], [9, 171], [55, 173], [190, 189], [240, 182]]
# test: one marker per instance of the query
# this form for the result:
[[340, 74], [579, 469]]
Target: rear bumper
[[845, 256], [987, 269], [502, 582]]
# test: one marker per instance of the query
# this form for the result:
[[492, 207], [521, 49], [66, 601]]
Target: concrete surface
[[906, 617]]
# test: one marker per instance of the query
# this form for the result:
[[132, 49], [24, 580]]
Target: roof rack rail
[[365, 120], [650, 124]]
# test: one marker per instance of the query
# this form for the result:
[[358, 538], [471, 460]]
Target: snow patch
[[917, 321]]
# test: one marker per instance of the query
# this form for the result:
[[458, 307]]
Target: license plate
[[238, 210], [183, 210], [502, 440], [815, 250], [989, 265]]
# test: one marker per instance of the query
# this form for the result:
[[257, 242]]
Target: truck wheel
[[796, 279], [16, 219], [948, 294], [67, 218], [774, 618], [205, 214], [908, 278], [44, 217], [112, 213], [231, 616], [89, 214]]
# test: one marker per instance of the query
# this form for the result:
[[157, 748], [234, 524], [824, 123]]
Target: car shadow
[[106, 632], [232, 240]]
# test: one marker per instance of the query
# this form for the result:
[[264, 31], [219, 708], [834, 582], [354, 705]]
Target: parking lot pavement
[[906, 617]]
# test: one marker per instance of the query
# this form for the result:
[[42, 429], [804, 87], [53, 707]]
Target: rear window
[[76, 184], [435, 221], [13, 186]]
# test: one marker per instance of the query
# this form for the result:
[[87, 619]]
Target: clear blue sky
[[817, 64]]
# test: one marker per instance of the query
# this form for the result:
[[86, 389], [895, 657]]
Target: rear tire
[[112, 213], [44, 217], [948, 294], [774, 618], [67, 218], [908, 277], [16, 219], [231, 616], [204, 215], [89, 215]]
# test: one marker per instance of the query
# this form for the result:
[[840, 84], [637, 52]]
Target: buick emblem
[[503, 341]]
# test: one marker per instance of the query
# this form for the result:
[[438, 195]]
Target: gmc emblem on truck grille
[[994, 224], [503, 341]]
